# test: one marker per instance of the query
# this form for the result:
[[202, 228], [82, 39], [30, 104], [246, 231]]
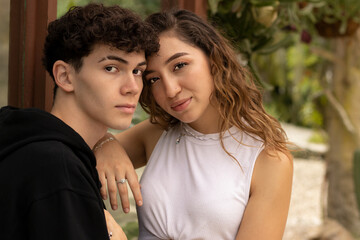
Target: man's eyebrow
[[142, 63], [112, 57], [176, 55]]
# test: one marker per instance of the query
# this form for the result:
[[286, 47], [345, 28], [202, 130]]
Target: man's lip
[[126, 106]]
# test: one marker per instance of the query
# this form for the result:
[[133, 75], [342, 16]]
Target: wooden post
[[29, 85], [197, 6]]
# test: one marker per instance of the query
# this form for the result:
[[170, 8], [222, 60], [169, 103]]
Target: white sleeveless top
[[193, 189]]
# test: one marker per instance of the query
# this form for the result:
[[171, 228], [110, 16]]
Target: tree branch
[[321, 52], [342, 114]]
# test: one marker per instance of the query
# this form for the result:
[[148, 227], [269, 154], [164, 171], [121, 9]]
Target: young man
[[48, 180]]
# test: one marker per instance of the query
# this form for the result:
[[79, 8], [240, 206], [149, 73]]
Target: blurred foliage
[[341, 13], [131, 229], [139, 115], [294, 73], [142, 7], [252, 26], [274, 38], [319, 136]]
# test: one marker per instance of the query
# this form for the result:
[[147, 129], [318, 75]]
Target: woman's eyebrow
[[176, 55], [147, 72]]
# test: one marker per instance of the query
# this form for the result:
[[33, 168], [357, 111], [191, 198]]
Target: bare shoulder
[[272, 168], [140, 140], [151, 134], [269, 201], [275, 160], [149, 131], [143, 132]]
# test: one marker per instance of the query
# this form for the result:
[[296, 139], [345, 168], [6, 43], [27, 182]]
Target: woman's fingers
[[123, 192], [134, 185], [103, 191], [112, 189]]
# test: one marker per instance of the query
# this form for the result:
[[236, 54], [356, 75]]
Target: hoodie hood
[[19, 127]]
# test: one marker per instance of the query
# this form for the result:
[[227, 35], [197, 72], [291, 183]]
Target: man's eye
[[179, 66], [111, 69], [138, 72]]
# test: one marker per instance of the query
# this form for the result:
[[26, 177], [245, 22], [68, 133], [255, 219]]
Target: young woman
[[217, 164]]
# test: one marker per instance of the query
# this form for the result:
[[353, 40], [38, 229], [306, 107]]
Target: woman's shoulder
[[272, 168], [141, 139], [150, 132], [274, 159]]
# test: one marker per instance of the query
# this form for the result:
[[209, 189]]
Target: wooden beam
[[197, 6], [29, 85]]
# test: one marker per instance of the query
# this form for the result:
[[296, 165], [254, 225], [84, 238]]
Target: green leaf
[[285, 42], [263, 3], [213, 4], [288, 1], [237, 5], [258, 80]]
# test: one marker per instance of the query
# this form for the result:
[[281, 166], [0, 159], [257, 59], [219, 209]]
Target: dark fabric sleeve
[[66, 214]]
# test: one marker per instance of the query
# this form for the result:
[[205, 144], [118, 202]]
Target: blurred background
[[305, 56]]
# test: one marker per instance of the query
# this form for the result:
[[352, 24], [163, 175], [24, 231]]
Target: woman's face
[[182, 84]]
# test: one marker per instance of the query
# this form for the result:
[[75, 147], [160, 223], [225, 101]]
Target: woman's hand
[[114, 165], [114, 229]]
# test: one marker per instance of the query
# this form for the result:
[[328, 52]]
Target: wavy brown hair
[[239, 100]]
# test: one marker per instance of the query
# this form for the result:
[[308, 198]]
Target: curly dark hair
[[74, 35]]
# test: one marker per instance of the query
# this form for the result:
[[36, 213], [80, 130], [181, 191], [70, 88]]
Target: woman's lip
[[181, 105]]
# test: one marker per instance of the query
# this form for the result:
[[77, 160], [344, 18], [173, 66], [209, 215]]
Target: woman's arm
[[266, 213], [139, 141], [113, 162], [114, 229]]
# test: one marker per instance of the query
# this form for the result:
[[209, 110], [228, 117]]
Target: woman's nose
[[172, 87]]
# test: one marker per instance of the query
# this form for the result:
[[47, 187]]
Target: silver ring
[[110, 235], [123, 180]]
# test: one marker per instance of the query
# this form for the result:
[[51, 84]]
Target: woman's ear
[[62, 75]]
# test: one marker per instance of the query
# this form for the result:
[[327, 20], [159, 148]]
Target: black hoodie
[[49, 187]]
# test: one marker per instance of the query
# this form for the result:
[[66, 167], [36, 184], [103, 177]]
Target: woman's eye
[[137, 72], [153, 80], [179, 66], [111, 69]]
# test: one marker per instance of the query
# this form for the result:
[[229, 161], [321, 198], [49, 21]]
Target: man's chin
[[121, 126]]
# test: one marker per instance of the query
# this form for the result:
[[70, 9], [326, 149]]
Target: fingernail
[[126, 210], [114, 207], [139, 203]]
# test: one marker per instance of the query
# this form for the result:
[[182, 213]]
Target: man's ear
[[62, 74]]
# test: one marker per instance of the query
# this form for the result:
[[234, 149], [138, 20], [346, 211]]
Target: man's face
[[108, 86]]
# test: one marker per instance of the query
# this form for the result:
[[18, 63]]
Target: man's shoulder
[[49, 165], [49, 155], [53, 149]]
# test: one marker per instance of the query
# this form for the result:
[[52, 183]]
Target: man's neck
[[87, 128]]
